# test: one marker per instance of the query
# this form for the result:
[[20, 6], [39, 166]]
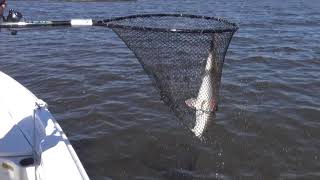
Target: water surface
[[268, 121]]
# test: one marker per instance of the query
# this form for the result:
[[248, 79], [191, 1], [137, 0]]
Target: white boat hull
[[32, 144]]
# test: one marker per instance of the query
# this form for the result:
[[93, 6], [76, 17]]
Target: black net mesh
[[183, 55]]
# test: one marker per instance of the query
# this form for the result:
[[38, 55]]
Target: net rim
[[234, 27]]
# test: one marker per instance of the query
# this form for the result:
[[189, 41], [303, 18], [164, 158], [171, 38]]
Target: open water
[[268, 122]]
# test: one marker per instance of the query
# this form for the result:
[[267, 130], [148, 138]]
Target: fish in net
[[183, 55]]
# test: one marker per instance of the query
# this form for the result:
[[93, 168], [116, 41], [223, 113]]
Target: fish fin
[[191, 102]]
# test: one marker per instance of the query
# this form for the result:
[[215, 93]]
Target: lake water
[[268, 122]]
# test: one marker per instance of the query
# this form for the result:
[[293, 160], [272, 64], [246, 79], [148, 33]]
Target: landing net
[[183, 55]]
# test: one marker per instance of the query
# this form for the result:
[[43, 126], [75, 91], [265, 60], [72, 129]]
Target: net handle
[[64, 23]]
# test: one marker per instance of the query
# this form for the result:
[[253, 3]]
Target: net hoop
[[112, 23]]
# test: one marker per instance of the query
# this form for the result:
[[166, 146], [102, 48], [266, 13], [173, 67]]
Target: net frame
[[111, 23]]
